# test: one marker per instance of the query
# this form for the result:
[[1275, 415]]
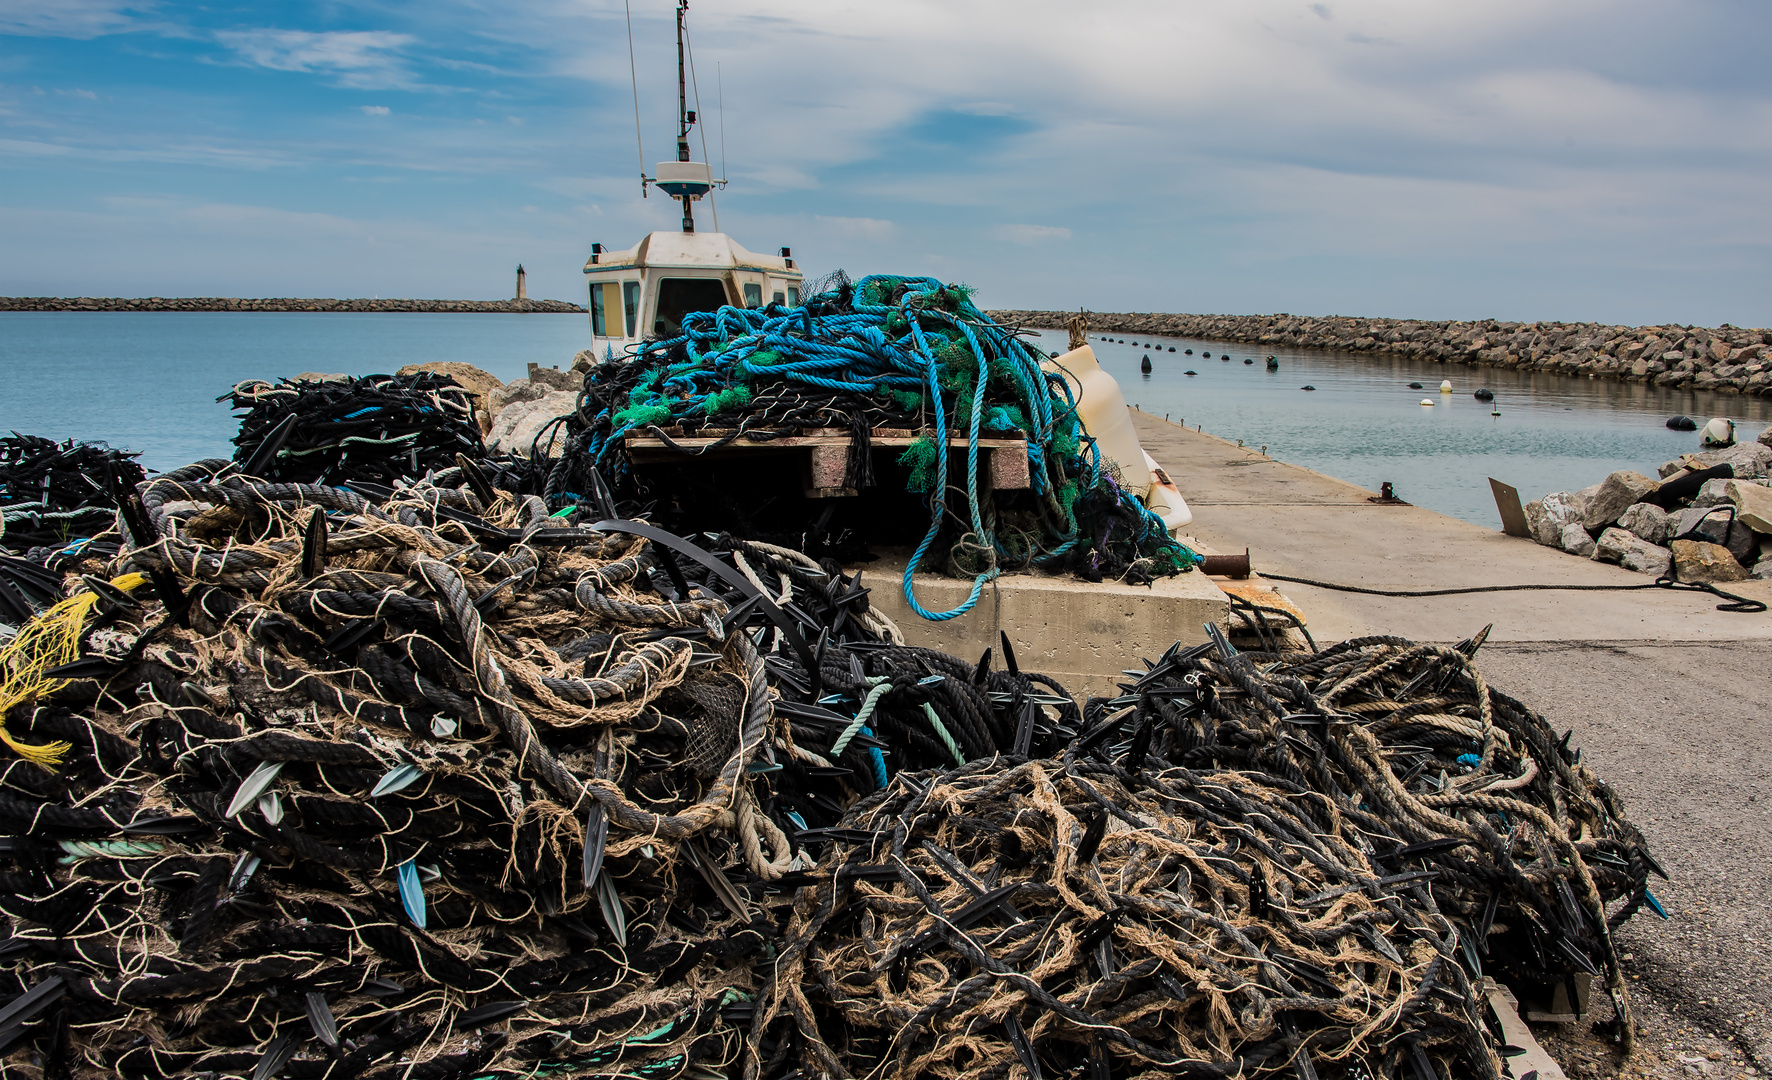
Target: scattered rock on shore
[[1629, 551], [1695, 560], [1698, 538]]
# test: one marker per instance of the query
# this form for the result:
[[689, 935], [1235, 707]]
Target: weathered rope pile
[[432, 781], [886, 353], [1242, 866], [51, 492], [419, 787], [377, 428], [53, 498]]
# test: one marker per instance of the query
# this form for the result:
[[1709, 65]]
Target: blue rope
[[880, 347]]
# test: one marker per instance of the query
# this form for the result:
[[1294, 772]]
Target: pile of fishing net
[[377, 428], [419, 787], [52, 493], [435, 782], [1242, 866], [54, 497], [885, 355]]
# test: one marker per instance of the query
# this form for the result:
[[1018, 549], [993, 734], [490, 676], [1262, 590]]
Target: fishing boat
[[646, 290]]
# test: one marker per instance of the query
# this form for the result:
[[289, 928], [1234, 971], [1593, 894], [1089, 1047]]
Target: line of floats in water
[[1273, 364]]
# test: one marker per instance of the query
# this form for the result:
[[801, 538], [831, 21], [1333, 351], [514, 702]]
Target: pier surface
[[1670, 699]]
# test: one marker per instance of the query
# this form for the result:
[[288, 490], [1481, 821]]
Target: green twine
[[920, 456], [732, 397]]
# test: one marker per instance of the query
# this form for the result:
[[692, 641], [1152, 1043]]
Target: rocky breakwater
[[233, 303], [513, 414], [1707, 517], [1727, 358]]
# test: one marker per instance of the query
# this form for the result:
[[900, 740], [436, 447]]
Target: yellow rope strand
[[48, 641]]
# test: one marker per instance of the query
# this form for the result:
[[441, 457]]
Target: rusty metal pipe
[[1233, 566]]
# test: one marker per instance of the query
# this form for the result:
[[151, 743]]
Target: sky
[[1606, 160]]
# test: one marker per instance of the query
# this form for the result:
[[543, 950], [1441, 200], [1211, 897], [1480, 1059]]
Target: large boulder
[[1713, 493], [1753, 504], [1646, 521], [1576, 541], [515, 391], [1765, 438], [1547, 516], [555, 379], [1717, 525], [1631, 552], [481, 384], [1615, 495], [521, 421], [1695, 560]]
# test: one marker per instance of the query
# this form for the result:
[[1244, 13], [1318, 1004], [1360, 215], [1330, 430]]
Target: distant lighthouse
[[522, 283]]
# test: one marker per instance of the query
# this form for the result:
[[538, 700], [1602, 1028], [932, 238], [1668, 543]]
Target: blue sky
[[1556, 159]]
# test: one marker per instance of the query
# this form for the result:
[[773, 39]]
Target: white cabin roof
[[691, 250]]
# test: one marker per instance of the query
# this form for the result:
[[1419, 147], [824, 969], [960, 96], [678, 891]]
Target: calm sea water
[[148, 381]]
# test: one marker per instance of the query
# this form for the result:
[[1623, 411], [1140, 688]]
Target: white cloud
[[1031, 235], [375, 110], [365, 59], [71, 18], [855, 228]]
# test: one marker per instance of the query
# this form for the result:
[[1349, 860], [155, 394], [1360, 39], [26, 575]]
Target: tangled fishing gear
[[431, 781], [54, 499], [1244, 865], [419, 786], [886, 355], [379, 428]]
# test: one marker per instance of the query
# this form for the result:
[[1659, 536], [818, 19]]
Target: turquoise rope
[[942, 731]]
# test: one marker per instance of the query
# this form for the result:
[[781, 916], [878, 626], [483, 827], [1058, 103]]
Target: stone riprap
[[1720, 531], [1725, 358], [232, 303]]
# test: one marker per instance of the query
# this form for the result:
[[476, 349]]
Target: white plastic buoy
[[1719, 432], [1445, 386], [1429, 402]]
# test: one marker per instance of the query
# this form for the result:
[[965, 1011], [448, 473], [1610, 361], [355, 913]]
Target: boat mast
[[684, 116]]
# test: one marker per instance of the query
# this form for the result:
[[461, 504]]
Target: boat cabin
[[646, 290]]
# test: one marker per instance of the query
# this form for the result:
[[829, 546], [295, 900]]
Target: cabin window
[[753, 295], [677, 297], [630, 305], [793, 296], [778, 298], [605, 304]]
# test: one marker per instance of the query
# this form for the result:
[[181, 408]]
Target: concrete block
[[1082, 634], [1009, 470], [829, 464]]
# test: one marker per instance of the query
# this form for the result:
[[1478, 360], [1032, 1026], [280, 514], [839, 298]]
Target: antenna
[[633, 77], [695, 87], [721, 80], [683, 113]]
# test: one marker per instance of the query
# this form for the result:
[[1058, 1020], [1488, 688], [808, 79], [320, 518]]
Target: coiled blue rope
[[895, 338]]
